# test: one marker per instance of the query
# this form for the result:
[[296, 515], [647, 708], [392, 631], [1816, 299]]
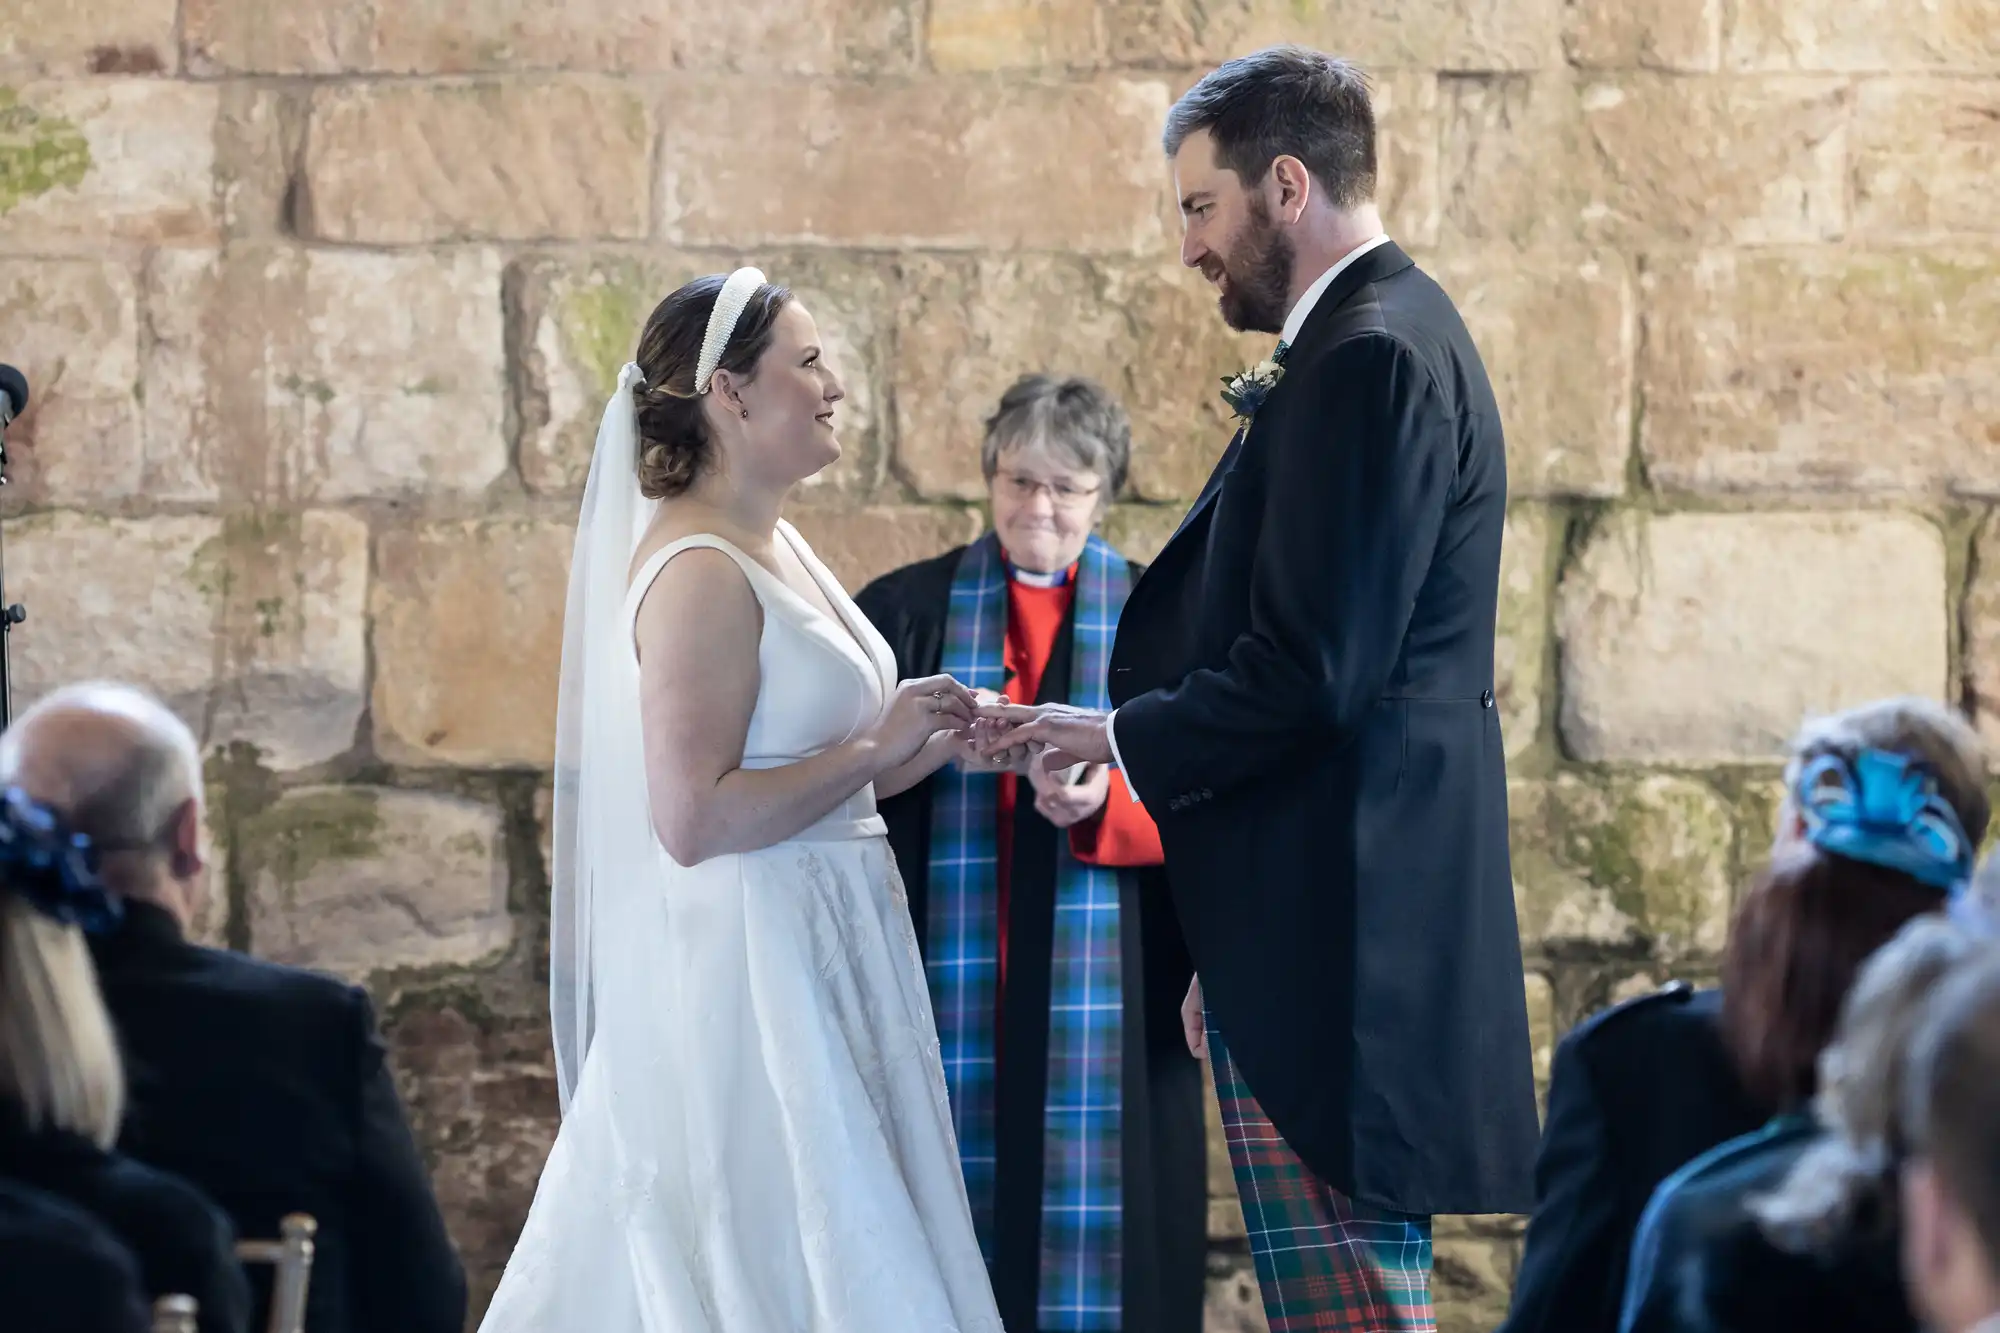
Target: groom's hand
[[1194, 1024], [1062, 735]]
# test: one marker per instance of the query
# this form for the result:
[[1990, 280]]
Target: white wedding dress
[[756, 1137]]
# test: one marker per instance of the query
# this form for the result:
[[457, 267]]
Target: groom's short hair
[[1285, 101]]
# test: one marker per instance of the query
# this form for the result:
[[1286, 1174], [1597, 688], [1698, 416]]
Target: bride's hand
[[917, 711]]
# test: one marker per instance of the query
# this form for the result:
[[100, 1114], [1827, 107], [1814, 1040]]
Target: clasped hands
[[1063, 752]]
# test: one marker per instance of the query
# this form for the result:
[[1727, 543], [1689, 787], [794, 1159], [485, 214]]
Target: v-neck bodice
[[821, 678]]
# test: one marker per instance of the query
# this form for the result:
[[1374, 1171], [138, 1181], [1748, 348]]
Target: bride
[[755, 1136]]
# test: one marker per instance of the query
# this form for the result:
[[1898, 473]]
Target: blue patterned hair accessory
[[54, 869], [1884, 809]]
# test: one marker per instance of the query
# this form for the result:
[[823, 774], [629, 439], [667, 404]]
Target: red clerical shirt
[[1122, 833]]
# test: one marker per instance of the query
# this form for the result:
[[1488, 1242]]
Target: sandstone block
[[1471, 1280], [82, 366], [250, 628], [1557, 335], [948, 164], [1926, 154], [451, 36], [1758, 807], [1861, 35], [1641, 157], [580, 321], [120, 599], [468, 641], [1521, 643], [796, 36], [1679, 35], [1232, 1303], [294, 631], [860, 545], [967, 328], [88, 37], [358, 879], [1824, 371], [106, 159], [525, 160], [1707, 638], [260, 135], [1621, 862], [1541, 1025], [1982, 630], [278, 373], [1632, 987], [1139, 531], [1408, 117], [479, 1081], [1424, 34], [1013, 34]]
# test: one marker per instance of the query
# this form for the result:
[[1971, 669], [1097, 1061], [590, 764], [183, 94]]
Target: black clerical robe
[[1163, 1152]]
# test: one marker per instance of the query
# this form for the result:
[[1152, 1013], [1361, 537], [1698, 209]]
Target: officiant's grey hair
[[1285, 101], [1074, 421]]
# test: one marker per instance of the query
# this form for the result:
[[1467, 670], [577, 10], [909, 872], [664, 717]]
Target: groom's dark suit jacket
[[1304, 685]]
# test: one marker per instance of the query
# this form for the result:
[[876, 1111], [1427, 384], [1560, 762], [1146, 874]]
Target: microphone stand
[[11, 613]]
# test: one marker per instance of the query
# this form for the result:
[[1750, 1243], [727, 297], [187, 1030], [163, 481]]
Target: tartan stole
[[1082, 1188]]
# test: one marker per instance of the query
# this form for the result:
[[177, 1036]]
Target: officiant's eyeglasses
[[1066, 493]]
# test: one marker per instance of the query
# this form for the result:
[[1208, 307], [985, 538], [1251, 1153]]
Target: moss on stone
[[299, 834], [38, 152], [600, 321], [318, 390], [1620, 861]]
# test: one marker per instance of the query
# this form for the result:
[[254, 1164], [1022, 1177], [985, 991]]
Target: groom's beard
[[1257, 276]]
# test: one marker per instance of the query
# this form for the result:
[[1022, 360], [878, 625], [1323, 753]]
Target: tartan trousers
[[1325, 1263]]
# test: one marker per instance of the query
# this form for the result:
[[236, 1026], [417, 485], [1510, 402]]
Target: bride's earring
[[746, 414]]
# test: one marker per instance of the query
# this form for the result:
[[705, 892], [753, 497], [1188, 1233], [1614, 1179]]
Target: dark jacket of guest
[[183, 1243], [62, 1271], [1304, 692], [1635, 1094], [1704, 1264], [268, 1087]]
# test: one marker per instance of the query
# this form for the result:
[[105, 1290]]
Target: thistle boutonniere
[[1246, 392]]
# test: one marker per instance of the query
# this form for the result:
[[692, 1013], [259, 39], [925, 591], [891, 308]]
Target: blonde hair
[[58, 1055], [1846, 1182]]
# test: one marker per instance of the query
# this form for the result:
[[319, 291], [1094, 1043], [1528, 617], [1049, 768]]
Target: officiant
[[1055, 961]]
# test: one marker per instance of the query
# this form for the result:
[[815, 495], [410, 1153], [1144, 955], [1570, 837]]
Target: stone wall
[[321, 299]]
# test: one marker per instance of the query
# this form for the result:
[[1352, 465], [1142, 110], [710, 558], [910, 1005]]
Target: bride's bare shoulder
[[701, 585]]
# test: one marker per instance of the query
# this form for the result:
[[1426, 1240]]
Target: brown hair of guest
[[1812, 918], [675, 445]]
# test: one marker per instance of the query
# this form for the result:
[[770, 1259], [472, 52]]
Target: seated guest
[[1044, 893], [1950, 1175], [1640, 1090], [268, 1086], [1794, 1225], [62, 1271], [61, 1090]]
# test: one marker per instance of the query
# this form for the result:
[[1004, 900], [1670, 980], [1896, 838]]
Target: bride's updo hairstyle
[[675, 443]]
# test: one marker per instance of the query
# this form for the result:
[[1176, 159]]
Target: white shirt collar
[[1990, 1324], [1297, 319]]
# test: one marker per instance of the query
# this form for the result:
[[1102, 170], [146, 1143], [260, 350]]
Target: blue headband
[[1884, 809], [51, 868]]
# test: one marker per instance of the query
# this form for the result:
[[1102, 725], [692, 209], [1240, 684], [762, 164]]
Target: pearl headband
[[737, 289]]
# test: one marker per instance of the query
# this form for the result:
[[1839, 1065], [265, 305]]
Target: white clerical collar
[[1297, 319], [1034, 579]]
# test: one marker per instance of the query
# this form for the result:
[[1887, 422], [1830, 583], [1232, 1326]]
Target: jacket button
[[1486, 698]]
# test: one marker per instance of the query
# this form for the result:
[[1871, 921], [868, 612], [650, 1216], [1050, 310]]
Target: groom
[[1303, 691]]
